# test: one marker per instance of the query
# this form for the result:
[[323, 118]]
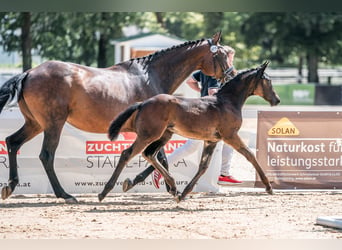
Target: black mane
[[236, 79], [149, 58]]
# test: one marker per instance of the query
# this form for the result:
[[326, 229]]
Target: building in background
[[144, 44]]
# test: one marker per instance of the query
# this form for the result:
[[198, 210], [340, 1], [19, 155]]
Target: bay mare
[[89, 98], [209, 118]]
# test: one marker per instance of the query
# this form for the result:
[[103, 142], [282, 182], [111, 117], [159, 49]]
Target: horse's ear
[[265, 64], [216, 37], [262, 68]]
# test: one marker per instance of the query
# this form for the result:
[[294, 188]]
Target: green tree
[[15, 29], [212, 22], [78, 37], [309, 36], [186, 25], [83, 38]]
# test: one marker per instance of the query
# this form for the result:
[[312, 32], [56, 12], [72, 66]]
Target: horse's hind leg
[[239, 146], [207, 153], [150, 154], [13, 143], [47, 156], [128, 184]]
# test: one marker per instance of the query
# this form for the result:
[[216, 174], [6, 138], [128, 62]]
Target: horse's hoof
[[178, 198], [101, 197], [6, 192], [270, 191], [127, 185], [71, 200]]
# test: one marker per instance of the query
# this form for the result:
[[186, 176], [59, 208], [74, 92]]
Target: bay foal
[[209, 118]]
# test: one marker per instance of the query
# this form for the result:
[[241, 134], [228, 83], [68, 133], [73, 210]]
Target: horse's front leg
[[128, 183], [236, 142], [207, 153], [150, 154], [125, 156]]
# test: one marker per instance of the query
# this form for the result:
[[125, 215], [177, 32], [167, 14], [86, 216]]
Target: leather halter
[[227, 71]]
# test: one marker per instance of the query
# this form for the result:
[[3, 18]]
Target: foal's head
[[263, 86], [217, 60]]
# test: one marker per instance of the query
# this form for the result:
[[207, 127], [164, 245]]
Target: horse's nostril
[[276, 102]]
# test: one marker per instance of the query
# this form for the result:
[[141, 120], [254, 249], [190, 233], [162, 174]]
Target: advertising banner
[[300, 150], [84, 162]]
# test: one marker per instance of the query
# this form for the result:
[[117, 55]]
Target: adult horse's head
[[217, 63], [263, 87]]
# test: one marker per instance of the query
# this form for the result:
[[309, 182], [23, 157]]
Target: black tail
[[10, 88], [115, 126]]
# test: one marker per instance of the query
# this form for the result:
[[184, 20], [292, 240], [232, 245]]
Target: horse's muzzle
[[275, 100]]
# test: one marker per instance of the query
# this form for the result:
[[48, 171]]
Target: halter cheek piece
[[214, 50], [256, 85]]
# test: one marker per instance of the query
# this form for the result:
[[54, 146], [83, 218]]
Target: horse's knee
[[202, 168], [11, 147], [162, 159], [45, 157], [149, 154], [125, 155]]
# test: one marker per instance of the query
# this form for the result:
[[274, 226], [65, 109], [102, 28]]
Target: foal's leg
[[14, 142], [125, 156], [207, 153], [128, 184], [150, 155], [47, 157], [236, 142]]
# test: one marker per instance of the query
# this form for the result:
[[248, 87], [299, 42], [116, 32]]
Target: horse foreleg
[[47, 157], [150, 154], [125, 156], [239, 146], [128, 183], [207, 153], [13, 143]]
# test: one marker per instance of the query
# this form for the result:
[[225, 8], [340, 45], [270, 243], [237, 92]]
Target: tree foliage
[[312, 39], [78, 37], [286, 36]]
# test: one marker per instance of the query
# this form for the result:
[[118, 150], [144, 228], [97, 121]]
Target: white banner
[[84, 162]]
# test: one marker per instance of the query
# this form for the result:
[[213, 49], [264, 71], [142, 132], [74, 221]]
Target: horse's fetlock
[[174, 192], [13, 182]]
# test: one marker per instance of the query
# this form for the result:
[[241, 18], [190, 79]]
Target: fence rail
[[279, 76], [290, 75]]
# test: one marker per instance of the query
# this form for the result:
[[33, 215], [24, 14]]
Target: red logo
[[106, 147], [116, 147], [3, 148]]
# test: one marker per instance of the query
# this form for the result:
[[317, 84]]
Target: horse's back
[[195, 118], [57, 90], [164, 102]]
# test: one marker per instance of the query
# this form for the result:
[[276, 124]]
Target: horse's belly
[[95, 117], [90, 125], [207, 135], [93, 121]]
